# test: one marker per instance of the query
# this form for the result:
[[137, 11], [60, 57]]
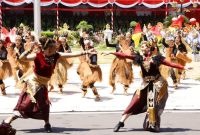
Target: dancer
[[88, 70], [5, 67], [152, 95], [171, 50], [59, 76], [33, 101], [20, 67], [181, 55], [121, 69], [194, 42]]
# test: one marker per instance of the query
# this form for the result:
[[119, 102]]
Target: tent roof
[[103, 3]]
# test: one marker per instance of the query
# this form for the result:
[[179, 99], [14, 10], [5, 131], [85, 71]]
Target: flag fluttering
[[137, 35]]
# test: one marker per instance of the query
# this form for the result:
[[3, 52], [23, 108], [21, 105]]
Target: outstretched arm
[[171, 64], [109, 44], [81, 42], [164, 43], [121, 55], [77, 54], [26, 56]]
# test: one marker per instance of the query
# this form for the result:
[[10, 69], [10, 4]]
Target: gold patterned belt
[[151, 78]]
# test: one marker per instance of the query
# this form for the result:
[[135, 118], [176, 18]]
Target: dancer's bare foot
[[84, 93], [60, 86], [3, 89], [60, 91], [97, 98], [125, 92], [113, 90], [3, 92], [175, 85]]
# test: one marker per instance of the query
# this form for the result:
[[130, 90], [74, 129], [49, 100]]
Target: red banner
[[103, 3]]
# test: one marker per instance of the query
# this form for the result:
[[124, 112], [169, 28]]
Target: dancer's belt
[[151, 78]]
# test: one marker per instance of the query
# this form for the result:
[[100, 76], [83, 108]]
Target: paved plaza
[[186, 97]]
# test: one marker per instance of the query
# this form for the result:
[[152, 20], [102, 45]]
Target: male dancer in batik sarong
[[151, 97], [33, 101], [121, 68], [88, 70]]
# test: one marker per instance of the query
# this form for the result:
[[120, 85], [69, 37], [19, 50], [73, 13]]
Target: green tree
[[84, 26], [133, 24]]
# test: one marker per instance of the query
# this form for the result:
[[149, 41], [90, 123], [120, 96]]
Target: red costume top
[[44, 65]]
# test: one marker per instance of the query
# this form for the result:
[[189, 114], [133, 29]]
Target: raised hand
[[188, 68]]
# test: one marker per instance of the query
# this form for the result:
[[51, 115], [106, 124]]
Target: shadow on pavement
[[180, 87], [102, 87], [65, 92], [101, 98], [55, 99], [175, 129], [55, 130], [122, 94], [101, 129], [12, 95], [76, 83], [130, 129], [161, 130], [189, 83]]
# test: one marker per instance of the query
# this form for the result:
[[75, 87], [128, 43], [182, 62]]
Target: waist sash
[[31, 83]]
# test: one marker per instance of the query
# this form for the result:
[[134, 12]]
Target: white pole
[[112, 18], [37, 19], [57, 17], [0, 18]]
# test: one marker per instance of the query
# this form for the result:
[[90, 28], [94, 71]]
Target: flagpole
[[57, 17], [0, 18], [166, 12], [37, 19], [112, 18]]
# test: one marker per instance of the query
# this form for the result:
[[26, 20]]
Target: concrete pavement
[[186, 97], [102, 123]]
